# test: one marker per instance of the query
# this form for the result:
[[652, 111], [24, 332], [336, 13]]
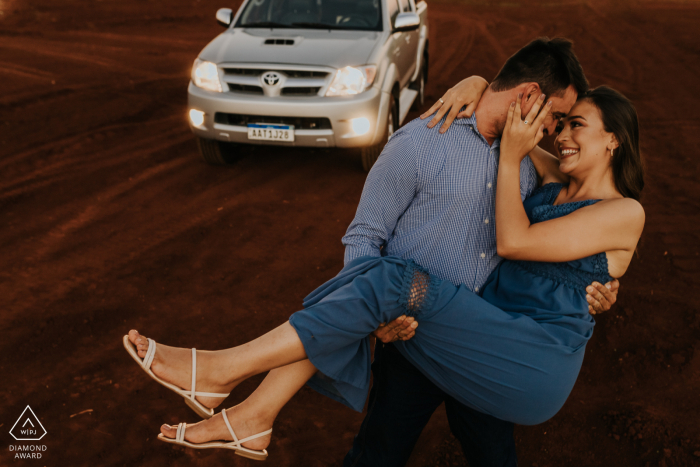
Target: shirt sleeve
[[528, 178], [390, 188]]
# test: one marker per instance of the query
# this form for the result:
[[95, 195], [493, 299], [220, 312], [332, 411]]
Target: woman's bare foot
[[174, 365], [243, 421]]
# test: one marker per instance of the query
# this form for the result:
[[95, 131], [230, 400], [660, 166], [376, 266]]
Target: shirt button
[[483, 255], [476, 289], [486, 221], [489, 185]]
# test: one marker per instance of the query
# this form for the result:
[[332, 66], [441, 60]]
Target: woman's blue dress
[[513, 352]]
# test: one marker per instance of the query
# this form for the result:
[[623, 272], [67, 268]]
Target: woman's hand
[[467, 92], [521, 136]]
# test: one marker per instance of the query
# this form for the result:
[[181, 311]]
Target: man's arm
[[389, 190]]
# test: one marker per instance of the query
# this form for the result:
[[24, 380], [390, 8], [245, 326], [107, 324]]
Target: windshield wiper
[[318, 26], [265, 24]]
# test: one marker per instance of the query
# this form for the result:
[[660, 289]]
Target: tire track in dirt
[[444, 61], [26, 72], [81, 269], [55, 51], [134, 39], [60, 168]]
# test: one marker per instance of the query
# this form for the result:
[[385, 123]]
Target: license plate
[[271, 132]]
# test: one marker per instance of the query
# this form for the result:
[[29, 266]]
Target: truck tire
[[216, 152], [419, 85], [369, 155]]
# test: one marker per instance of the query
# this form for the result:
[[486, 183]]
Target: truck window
[[312, 14]]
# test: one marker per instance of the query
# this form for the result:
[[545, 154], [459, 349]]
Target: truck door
[[408, 41], [399, 53]]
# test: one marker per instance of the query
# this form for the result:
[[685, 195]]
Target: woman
[[513, 352]]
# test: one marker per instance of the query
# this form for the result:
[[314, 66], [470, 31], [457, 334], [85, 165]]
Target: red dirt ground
[[110, 222]]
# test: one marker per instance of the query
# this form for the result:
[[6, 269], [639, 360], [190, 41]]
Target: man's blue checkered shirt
[[431, 198]]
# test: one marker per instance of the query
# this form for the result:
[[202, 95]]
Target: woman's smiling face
[[583, 143]]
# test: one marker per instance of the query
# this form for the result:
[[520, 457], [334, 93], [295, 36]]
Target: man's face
[[560, 107]]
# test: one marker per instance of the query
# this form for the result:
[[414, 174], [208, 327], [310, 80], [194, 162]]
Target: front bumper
[[371, 104]]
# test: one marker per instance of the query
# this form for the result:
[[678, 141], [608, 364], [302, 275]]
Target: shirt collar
[[471, 122]]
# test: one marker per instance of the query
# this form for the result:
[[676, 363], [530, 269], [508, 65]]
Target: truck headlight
[[352, 80], [205, 75]]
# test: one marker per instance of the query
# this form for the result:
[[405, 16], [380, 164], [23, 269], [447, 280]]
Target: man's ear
[[532, 92]]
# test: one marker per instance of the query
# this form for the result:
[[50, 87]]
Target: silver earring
[[611, 152]]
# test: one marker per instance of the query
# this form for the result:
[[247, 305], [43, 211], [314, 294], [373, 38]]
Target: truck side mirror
[[224, 16], [406, 22]]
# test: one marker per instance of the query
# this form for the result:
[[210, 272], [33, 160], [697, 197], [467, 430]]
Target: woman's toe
[[141, 344], [133, 336], [168, 431]]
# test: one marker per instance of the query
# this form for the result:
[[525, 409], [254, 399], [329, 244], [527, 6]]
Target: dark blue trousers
[[402, 401]]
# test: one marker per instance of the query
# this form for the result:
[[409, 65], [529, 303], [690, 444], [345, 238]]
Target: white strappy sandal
[[189, 396], [234, 445]]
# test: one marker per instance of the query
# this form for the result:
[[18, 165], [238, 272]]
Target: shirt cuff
[[353, 252]]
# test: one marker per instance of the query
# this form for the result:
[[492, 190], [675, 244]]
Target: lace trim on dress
[[550, 190], [566, 274], [545, 213], [418, 291], [600, 266]]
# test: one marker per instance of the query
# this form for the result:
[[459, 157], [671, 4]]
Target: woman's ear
[[613, 144]]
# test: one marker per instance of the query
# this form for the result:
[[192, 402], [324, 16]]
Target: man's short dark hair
[[551, 63]]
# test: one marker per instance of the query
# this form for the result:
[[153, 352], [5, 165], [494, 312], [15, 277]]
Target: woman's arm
[[547, 166], [467, 92], [606, 226]]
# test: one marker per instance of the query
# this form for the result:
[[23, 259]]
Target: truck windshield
[[312, 14]]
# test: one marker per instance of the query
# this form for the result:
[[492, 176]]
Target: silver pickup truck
[[312, 73]]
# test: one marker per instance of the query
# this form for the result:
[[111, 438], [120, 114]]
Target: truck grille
[[245, 89], [306, 91], [293, 82], [300, 123]]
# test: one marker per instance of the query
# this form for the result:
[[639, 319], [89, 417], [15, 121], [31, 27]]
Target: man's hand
[[402, 328], [602, 297]]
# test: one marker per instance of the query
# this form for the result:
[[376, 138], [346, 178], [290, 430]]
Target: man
[[431, 198]]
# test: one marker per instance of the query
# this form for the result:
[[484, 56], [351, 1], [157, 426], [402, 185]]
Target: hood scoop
[[279, 41]]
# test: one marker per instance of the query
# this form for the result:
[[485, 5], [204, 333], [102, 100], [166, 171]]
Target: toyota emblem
[[271, 78]]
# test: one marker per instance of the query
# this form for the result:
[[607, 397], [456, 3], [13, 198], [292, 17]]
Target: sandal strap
[[150, 354], [259, 435], [205, 394], [180, 435], [230, 430], [192, 393], [237, 441], [194, 373]]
